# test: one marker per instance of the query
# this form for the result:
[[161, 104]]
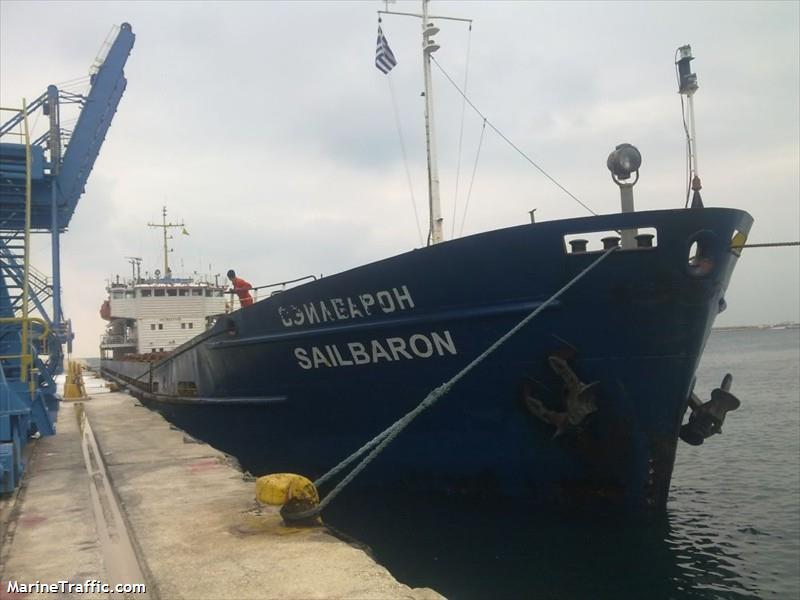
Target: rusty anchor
[[707, 417], [579, 400]]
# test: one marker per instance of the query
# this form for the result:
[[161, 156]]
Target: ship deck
[[162, 509]]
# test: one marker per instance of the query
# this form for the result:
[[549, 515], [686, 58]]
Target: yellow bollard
[[74, 388], [294, 493]]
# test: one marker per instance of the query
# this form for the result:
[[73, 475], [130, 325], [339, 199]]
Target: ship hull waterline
[[298, 381]]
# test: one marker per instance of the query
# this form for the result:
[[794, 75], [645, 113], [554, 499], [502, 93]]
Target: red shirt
[[241, 287]]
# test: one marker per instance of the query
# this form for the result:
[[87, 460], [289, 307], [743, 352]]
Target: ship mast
[[429, 46], [687, 82], [165, 226]]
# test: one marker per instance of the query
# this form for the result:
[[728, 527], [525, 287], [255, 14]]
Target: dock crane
[[41, 182]]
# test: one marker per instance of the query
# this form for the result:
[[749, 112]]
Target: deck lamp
[[624, 160]]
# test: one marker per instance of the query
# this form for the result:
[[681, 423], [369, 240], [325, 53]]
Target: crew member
[[241, 288]]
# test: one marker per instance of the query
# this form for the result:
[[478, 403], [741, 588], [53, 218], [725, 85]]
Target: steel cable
[[405, 157], [509, 142], [461, 135]]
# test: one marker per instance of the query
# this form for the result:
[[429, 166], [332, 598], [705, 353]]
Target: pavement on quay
[[119, 496]]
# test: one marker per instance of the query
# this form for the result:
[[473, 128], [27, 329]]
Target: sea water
[[731, 530]]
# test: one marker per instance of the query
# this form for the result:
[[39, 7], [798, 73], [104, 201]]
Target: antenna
[[136, 267], [164, 225]]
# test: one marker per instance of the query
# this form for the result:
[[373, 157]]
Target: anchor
[[579, 399], [707, 417]]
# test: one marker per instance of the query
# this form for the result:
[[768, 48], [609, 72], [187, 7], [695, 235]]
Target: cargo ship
[[586, 401]]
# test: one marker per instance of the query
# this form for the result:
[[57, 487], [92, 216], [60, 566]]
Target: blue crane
[[41, 181]]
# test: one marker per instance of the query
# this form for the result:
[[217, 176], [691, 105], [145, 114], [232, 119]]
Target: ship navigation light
[[687, 81]]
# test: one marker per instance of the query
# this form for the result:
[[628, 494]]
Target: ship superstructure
[[149, 317], [154, 316]]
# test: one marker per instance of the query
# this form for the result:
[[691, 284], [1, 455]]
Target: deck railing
[[118, 340], [233, 303]]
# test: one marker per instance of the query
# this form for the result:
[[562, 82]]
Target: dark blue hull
[[300, 380]]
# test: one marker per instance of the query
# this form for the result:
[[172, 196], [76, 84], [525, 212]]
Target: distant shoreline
[[743, 327]]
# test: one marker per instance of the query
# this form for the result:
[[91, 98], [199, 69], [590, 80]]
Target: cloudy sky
[[267, 129]]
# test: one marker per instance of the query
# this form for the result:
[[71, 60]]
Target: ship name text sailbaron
[[418, 345], [351, 307]]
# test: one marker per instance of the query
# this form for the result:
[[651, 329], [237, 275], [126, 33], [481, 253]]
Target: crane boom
[[108, 85]]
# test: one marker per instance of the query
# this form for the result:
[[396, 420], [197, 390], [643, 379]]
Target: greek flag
[[384, 57]]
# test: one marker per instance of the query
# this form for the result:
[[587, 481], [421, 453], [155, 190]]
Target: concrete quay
[[118, 496]]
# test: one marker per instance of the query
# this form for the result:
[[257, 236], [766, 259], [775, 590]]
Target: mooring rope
[[765, 245], [383, 439]]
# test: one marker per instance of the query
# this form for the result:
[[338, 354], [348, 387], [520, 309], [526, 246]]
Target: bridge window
[[158, 292], [197, 292], [146, 293], [183, 292]]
